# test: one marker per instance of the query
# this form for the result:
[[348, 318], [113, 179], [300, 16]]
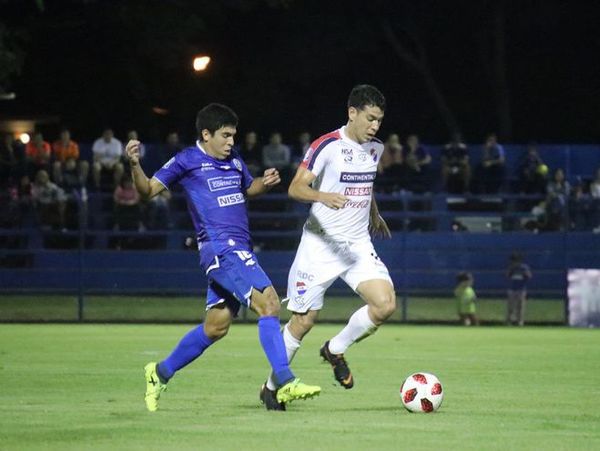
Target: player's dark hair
[[214, 116], [363, 96], [463, 276]]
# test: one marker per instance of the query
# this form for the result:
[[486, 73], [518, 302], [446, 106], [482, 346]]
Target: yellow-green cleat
[[297, 390], [154, 387]]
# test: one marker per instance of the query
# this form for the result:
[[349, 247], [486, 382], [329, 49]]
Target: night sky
[[289, 65]]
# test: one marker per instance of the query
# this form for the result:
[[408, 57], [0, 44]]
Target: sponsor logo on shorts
[[357, 177], [300, 288], [357, 191], [220, 183], [230, 199]]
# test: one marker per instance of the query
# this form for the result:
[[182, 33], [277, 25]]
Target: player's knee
[[268, 303], [385, 305], [301, 323], [216, 331]]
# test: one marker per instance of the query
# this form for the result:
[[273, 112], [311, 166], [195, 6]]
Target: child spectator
[[465, 299], [518, 274], [127, 211], [49, 201]]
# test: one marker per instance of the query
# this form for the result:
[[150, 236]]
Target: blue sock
[[191, 346], [272, 343]]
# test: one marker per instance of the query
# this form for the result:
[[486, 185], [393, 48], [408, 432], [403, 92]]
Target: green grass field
[[77, 387], [190, 309]]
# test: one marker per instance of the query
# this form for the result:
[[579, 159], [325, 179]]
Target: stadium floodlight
[[24, 138], [201, 63]]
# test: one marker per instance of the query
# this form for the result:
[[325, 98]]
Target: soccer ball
[[421, 392]]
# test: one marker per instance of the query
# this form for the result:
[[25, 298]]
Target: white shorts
[[319, 263]]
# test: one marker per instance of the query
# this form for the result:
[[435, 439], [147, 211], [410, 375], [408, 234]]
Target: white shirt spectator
[[108, 153]]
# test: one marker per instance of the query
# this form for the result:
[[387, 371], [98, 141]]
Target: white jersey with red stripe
[[342, 166]]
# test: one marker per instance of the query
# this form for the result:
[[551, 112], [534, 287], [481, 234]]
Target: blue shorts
[[231, 277]]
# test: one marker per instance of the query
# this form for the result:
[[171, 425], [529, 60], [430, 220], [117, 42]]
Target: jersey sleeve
[[170, 173], [246, 176], [317, 156]]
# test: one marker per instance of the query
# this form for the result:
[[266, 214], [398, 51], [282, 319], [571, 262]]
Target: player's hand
[[334, 201], [378, 228], [132, 150], [271, 177]]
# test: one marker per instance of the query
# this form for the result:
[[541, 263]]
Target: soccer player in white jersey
[[337, 176]]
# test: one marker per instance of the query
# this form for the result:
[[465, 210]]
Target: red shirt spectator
[[38, 151]]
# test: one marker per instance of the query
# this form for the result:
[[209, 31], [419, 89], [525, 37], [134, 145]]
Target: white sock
[[292, 344], [359, 326]]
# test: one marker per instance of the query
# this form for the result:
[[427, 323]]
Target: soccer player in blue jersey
[[216, 183]]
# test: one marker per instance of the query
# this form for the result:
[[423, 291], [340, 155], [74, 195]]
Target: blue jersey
[[214, 190], [519, 275]]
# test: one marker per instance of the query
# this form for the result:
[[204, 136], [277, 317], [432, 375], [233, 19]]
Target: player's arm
[[300, 189], [262, 185], [377, 225], [147, 188]]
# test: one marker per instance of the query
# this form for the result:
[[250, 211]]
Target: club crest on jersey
[[374, 155], [237, 164], [300, 288]]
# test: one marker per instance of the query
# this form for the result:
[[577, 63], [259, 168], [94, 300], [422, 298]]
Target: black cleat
[[340, 367], [269, 399]]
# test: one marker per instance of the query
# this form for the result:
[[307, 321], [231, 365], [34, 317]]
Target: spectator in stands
[[38, 153], [133, 134], [533, 172], [251, 153], [171, 147], [518, 274], [49, 201], [279, 156], [456, 169], [107, 151], [595, 185], [491, 170], [465, 299], [595, 193], [9, 159], [127, 209], [66, 158], [557, 198], [159, 211], [390, 169], [299, 150], [582, 211], [416, 164]]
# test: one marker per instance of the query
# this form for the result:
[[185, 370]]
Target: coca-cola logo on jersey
[[357, 203]]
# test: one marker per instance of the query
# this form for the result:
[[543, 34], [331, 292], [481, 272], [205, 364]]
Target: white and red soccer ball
[[421, 392]]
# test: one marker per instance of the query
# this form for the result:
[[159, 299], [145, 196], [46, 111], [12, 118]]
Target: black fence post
[[82, 202]]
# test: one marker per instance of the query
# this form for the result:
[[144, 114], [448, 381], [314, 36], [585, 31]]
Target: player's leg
[[381, 303], [192, 345], [266, 305], [521, 307], [293, 333], [313, 271], [380, 298]]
